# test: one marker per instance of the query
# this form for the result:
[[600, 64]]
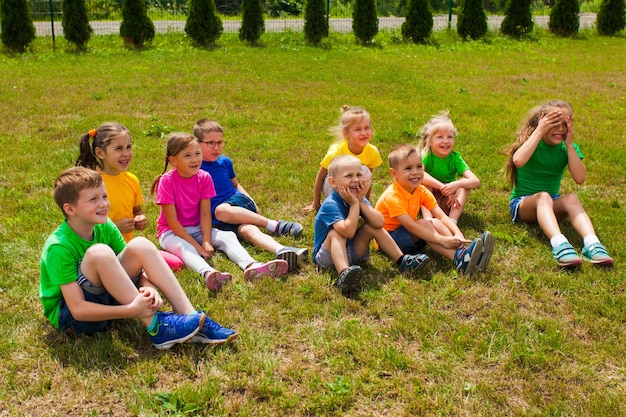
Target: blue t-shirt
[[222, 171], [333, 209]]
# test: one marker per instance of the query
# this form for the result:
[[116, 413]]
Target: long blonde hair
[[527, 127]]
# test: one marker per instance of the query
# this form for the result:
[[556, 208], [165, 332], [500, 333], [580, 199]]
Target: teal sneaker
[[465, 259], [566, 256], [596, 254], [175, 328]]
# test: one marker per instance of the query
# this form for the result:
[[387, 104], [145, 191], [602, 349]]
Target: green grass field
[[521, 339]]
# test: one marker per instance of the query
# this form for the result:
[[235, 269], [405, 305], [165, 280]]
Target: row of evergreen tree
[[204, 26]]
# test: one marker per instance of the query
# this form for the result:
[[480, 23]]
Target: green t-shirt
[[62, 254], [446, 169], [543, 171]]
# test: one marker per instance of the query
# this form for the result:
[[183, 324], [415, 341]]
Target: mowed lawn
[[521, 339]]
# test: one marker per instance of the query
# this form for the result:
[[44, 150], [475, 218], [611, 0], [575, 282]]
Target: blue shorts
[[404, 240], [237, 200], [98, 295], [514, 205], [324, 260]]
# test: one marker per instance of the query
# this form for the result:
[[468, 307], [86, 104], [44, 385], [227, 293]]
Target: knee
[[101, 252], [221, 212], [571, 200], [246, 231], [544, 198]]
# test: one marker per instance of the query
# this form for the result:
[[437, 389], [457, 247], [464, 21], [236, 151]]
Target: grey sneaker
[[293, 256], [288, 228], [349, 281]]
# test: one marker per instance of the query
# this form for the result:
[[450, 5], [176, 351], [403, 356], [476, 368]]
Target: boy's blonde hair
[[204, 126], [69, 184], [100, 138], [434, 124], [339, 162], [399, 153], [176, 143], [349, 116]]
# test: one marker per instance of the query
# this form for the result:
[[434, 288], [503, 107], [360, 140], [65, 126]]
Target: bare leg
[[252, 234], [239, 215], [539, 208], [336, 245], [461, 198], [570, 206]]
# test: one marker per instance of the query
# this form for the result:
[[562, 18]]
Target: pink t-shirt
[[185, 194]]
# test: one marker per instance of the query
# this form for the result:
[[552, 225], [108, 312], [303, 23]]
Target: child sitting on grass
[[339, 240], [233, 208], [400, 205], [89, 276]]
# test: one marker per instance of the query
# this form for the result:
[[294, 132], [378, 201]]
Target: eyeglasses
[[213, 144]]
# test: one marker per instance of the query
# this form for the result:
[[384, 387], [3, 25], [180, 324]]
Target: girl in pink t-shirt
[[185, 227]]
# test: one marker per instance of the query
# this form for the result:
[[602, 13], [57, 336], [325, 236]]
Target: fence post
[[450, 13], [51, 21]]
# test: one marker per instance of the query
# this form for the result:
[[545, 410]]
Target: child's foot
[[349, 281], [216, 279], [596, 254], [565, 255], [288, 228], [485, 256], [465, 259], [214, 334], [176, 328], [413, 262], [275, 268], [293, 256]]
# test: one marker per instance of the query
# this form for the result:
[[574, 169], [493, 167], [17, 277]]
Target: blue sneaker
[[565, 255], [288, 228], [597, 254], [175, 328], [465, 259], [485, 256], [213, 334], [413, 262], [349, 281]]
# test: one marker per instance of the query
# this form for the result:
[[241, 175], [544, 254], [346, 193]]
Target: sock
[[272, 225], [399, 261], [152, 328], [590, 240], [557, 240]]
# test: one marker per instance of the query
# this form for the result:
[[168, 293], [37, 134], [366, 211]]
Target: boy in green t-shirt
[[89, 276]]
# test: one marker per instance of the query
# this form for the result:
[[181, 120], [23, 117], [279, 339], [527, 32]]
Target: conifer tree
[[472, 20], [419, 21], [136, 26], [76, 28], [564, 19], [611, 18], [16, 25], [365, 20], [203, 25], [518, 19], [252, 23], [315, 22]]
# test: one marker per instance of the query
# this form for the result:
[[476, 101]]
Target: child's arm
[[242, 190], [369, 187], [574, 163], [317, 190], [82, 310], [169, 211], [546, 122], [206, 225], [438, 213], [371, 215], [140, 218], [348, 227]]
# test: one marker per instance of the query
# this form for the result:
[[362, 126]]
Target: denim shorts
[[97, 295], [324, 260], [237, 200], [405, 242], [514, 205]]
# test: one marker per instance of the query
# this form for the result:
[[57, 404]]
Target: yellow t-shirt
[[124, 194], [396, 201], [370, 157]]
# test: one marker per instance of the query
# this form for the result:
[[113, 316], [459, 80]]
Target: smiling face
[[117, 154], [358, 134], [409, 172], [212, 145], [187, 162], [91, 207], [442, 142], [557, 134], [348, 175]]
